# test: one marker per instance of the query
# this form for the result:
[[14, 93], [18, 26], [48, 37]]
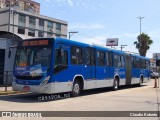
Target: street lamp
[[140, 18], [72, 33]]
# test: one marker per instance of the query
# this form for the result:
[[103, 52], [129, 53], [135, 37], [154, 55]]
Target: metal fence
[[6, 78]]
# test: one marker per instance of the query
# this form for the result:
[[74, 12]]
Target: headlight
[[45, 80]]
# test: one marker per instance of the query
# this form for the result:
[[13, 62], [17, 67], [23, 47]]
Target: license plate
[[26, 88]]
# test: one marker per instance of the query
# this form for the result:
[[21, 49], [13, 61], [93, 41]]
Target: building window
[[22, 18], [58, 28], [50, 25], [32, 21], [41, 22], [40, 34], [21, 30], [31, 33]]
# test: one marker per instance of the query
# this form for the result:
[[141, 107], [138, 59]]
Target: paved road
[[126, 99]]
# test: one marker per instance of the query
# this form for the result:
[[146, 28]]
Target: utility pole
[[14, 12], [9, 15], [72, 33], [123, 46]]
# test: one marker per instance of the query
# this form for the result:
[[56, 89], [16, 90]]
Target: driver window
[[61, 57]]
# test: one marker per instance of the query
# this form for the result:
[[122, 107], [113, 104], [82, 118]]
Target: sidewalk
[[9, 91], [3, 88], [152, 83]]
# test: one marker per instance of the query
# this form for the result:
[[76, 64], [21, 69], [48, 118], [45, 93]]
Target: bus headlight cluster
[[45, 80]]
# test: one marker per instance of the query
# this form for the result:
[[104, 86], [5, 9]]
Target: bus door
[[61, 58], [109, 67], [128, 70], [90, 63], [2, 58], [90, 69]]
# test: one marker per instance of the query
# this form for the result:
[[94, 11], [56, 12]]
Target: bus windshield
[[32, 56]]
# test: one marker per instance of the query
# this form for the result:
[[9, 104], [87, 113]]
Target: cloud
[[86, 26], [83, 4], [70, 2]]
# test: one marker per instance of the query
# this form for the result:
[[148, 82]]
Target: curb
[[10, 92]]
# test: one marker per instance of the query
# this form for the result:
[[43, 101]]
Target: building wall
[[4, 18], [4, 28], [9, 62], [64, 30], [58, 29]]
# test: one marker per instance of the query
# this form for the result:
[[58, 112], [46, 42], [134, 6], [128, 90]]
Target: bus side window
[[110, 59], [122, 60], [76, 55], [101, 58], [61, 60], [107, 59], [87, 57], [116, 60], [61, 57], [147, 64]]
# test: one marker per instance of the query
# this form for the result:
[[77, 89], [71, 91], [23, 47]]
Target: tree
[[143, 44]]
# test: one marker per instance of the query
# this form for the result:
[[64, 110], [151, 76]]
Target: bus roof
[[70, 42], [80, 44], [141, 57]]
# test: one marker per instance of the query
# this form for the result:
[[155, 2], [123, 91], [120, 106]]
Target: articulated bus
[[56, 65]]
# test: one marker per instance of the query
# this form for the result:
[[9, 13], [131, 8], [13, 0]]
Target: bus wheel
[[115, 84], [76, 89]]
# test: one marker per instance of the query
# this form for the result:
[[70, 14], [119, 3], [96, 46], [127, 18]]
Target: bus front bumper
[[47, 88]]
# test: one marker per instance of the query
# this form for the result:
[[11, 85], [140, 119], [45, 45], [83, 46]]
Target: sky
[[97, 20]]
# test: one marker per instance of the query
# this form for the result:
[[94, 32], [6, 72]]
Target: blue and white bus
[[56, 65]]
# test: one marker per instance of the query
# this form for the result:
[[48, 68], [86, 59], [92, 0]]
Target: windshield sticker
[[36, 70]]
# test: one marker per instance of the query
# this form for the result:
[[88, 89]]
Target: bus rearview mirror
[[158, 63], [9, 53]]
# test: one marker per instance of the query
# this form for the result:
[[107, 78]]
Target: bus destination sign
[[35, 43]]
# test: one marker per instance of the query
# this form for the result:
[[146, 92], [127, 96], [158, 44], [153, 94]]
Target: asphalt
[[131, 98], [151, 83]]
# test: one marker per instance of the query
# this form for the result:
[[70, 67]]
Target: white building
[[25, 5], [27, 24]]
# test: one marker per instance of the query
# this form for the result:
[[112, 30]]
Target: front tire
[[76, 89], [115, 84]]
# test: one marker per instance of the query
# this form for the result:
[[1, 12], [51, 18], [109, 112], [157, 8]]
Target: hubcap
[[76, 88]]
